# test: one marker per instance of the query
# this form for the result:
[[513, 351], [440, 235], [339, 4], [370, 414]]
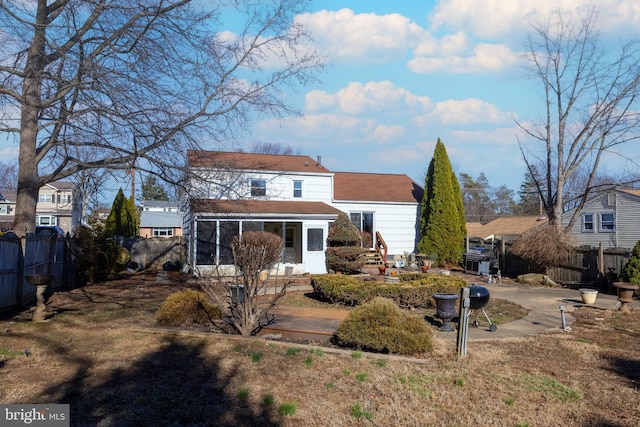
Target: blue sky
[[402, 74]]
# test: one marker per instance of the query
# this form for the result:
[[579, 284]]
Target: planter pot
[[382, 270], [445, 310], [588, 296], [625, 295]]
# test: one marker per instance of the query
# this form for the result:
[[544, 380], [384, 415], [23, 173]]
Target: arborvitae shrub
[[343, 232], [631, 270], [346, 259], [381, 326], [187, 308]]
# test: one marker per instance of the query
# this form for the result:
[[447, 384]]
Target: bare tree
[[255, 253], [138, 81], [8, 177], [590, 96]]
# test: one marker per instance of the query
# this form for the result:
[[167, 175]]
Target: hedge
[[410, 292]]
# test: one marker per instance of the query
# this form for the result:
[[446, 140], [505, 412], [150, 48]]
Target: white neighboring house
[[160, 219], [611, 219], [295, 197]]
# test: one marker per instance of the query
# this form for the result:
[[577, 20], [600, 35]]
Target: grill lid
[[478, 296]]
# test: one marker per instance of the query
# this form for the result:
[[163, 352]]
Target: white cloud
[[464, 112], [358, 98], [344, 36], [384, 133], [491, 18], [482, 59]]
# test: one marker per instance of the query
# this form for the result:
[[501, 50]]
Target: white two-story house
[[295, 197]]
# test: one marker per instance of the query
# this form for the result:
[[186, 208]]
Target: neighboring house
[[160, 219], [505, 229], [611, 219], [295, 197], [58, 204]]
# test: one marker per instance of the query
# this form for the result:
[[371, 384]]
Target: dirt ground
[[99, 353]]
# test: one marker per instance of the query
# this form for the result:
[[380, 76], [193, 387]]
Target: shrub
[[413, 293], [346, 259], [381, 326], [98, 256], [631, 270], [186, 308], [345, 246]]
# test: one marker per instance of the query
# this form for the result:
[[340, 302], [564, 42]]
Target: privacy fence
[[42, 255], [587, 266]]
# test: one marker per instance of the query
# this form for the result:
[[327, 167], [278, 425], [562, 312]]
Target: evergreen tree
[[153, 190], [442, 223], [124, 219], [528, 193], [631, 271]]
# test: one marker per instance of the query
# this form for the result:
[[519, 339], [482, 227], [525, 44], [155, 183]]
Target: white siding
[[395, 222], [315, 187], [627, 232]]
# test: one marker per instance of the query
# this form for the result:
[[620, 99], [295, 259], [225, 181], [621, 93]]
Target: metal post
[[463, 322], [564, 321]]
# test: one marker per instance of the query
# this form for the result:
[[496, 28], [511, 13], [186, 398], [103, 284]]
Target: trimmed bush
[[345, 246], [381, 326], [339, 289], [187, 308], [631, 270]]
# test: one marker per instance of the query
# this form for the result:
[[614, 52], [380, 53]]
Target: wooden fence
[[155, 251], [43, 255], [583, 267]]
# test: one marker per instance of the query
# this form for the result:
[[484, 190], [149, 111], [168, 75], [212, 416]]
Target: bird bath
[[40, 281]]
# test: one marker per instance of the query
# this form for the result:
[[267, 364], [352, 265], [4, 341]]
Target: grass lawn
[[100, 353]]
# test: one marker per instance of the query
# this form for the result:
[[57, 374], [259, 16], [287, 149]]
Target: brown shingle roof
[[375, 187], [253, 161], [266, 207], [633, 192], [505, 226]]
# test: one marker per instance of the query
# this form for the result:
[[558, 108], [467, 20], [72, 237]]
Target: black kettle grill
[[478, 299]]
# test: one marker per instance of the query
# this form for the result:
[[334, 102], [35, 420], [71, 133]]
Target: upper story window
[[588, 223], [607, 222], [45, 198], [258, 188], [297, 189], [65, 198]]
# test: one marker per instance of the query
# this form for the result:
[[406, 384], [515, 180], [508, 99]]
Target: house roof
[[254, 161], [376, 187], [505, 226], [263, 207], [62, 185], [160, 219], [630, 191]]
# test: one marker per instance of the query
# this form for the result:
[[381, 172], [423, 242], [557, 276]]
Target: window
[[607, 222], [64, 198], [45, 198], [587, 223], [297, 189], [162, 231], [46, 220], [364, 222], [258, 188], [315, 239]]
